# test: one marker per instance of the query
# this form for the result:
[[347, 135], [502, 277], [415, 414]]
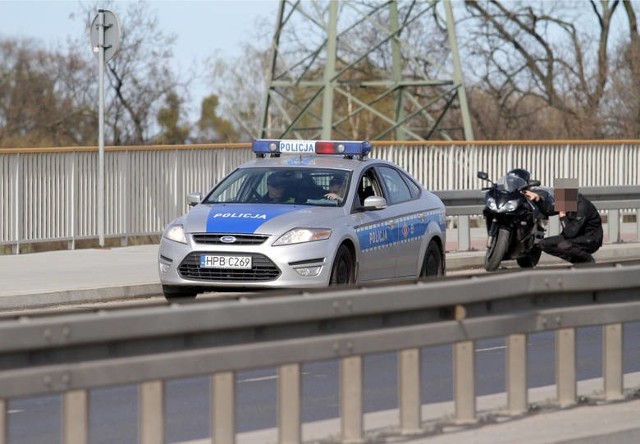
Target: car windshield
[[308, 186], [510, 183]]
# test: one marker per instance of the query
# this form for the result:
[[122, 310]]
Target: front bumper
[[305, 265]]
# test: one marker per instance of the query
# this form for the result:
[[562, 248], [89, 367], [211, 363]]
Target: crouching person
[[581, 234]]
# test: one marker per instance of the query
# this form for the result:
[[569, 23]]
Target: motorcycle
[[513, 222]]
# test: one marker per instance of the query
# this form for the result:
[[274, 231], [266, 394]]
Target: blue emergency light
[[275, 147]]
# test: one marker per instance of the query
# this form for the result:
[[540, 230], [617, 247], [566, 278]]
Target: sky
[[203, 28]]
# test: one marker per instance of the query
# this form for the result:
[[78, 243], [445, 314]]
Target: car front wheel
[[343, 270], [174, 292]]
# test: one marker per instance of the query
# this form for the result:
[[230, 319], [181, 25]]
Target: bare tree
[[623, 99], [239, 85], [44, 99], [538, 55], [140, 75]]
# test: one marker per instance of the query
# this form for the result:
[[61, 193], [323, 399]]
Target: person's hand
[[332, 196], [561, 214], [531, 195]]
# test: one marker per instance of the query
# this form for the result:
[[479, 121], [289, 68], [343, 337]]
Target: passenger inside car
[[306, 189], [336, 191]]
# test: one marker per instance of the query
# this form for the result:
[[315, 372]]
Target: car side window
[[396, 186], [369, 185], [413, 187]]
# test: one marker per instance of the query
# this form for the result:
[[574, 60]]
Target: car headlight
[[175, 233], [300, 235]]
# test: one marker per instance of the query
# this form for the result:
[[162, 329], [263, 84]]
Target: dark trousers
[[565, 249]]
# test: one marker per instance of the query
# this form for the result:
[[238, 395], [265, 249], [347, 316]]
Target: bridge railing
[[70, 354], [50, 194]]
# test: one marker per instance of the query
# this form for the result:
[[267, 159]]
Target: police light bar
[[277, 147]]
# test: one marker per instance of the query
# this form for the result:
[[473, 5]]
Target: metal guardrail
[[74, 353], [50, 195]]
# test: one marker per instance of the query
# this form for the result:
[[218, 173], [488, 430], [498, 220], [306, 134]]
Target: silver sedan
[[305, 214]]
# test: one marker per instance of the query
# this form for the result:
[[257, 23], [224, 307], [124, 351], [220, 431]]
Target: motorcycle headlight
[[300, 235], [509, 206], [175, 232], [491, 203]]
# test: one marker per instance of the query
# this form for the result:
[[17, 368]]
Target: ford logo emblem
[[228, 239]]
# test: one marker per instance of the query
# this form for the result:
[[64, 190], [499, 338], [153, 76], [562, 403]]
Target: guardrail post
[[613, 220], [409, 400], [566, 366], [75, 417], [464, 234], [3, 421], [351, 399], [517, 374], [152, 412], [18, 201], [124, 179], [289, 404], [612, 361], [464, 384], [71, 202], [223, 421], [553, 228]]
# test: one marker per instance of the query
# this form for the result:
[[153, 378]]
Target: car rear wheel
[[343, 270], [432, 265], [172, 292]]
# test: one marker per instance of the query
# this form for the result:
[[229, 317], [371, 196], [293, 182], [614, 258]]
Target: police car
[[305, 214]]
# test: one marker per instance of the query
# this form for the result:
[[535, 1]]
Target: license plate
[[229, 262]]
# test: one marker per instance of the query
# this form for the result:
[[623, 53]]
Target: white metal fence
[[51, 194]]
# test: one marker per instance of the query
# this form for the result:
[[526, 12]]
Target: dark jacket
[[583, 227], [545, 203]]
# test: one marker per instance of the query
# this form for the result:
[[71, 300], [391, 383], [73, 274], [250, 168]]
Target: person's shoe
[[589, 260]]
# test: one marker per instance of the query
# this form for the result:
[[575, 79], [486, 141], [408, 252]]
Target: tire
[[173, 292], [432, 265], [531, 259], [343, 269], [497, 250]]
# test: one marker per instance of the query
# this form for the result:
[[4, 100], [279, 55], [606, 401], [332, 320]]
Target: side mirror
[[482, 175], [374, 203], [194, 199], [534, 183]]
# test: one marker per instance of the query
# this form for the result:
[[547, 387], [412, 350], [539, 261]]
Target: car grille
[[262, 270], [241, 239]]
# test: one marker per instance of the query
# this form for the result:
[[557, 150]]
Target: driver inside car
[[277, 190]]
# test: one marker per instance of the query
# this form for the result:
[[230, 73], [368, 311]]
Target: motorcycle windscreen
[[510, 183]]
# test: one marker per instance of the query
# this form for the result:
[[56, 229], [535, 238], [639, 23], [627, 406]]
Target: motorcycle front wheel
[[496, 249], [531, 259]]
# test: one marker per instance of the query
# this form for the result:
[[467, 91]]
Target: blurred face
[[566, 199], [566, 194]]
